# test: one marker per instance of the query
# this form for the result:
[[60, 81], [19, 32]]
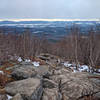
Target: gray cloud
[[49, 9]]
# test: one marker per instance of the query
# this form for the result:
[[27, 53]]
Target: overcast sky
[[53, 9]]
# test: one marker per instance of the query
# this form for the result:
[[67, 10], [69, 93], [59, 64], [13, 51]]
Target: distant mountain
[[51, 29], [7, 22], [18, 20], [22, 22], [46, 23]]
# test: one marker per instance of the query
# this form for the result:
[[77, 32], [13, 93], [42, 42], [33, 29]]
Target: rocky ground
[[48, 80]]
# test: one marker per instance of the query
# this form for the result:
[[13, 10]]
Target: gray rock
[[51, 94], [30, 89], [75, 85], [49, 84], [41, 70], [23, 72], [62, 71], [78, 85], [17, 97], [59, 82], [26, 70], [97, 96], [3, 97]]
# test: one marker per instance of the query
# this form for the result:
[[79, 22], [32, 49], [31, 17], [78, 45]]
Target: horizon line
[[17, 20]]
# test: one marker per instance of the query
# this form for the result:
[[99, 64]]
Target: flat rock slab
[[75, 85], [42, 69], [30, 89], [79, 85], [23, 72]]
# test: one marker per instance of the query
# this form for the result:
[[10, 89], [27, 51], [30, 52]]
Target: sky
[[49, 9]]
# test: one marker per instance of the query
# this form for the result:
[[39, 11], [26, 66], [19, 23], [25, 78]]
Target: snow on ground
[[20, 59], [36, 64], [74, 71], [83, 68], [99, 70], [9, 97], [1, 72], [27, 60], [67, 64]]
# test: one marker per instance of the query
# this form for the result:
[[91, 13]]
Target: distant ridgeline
[[52, 30]]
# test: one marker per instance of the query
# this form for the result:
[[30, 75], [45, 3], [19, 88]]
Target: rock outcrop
[[77, 86], [23, 72], [30, 89], [51, 81], [73, 86]]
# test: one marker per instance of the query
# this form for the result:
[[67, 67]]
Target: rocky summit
[[50, 81]]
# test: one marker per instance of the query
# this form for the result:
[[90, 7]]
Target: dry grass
[[4, 79]]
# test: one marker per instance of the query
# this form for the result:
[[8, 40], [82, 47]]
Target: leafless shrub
[[77, 47]]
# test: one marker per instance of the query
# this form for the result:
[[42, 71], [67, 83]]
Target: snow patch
[[27, 60], [20, 59], [9, 97], [66, 64], [84, 68], [99, 70], [74, 71], [81, 68], [36, 64], [1, 72]]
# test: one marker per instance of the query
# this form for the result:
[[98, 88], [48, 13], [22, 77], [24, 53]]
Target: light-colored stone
[[49, 84], [17, 97], [51, 94], [75, 85], [30, 89], [78, 85], [23, 72], [42, 69]]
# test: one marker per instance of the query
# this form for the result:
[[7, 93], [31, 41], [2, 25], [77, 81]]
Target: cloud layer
[[63, 9]]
